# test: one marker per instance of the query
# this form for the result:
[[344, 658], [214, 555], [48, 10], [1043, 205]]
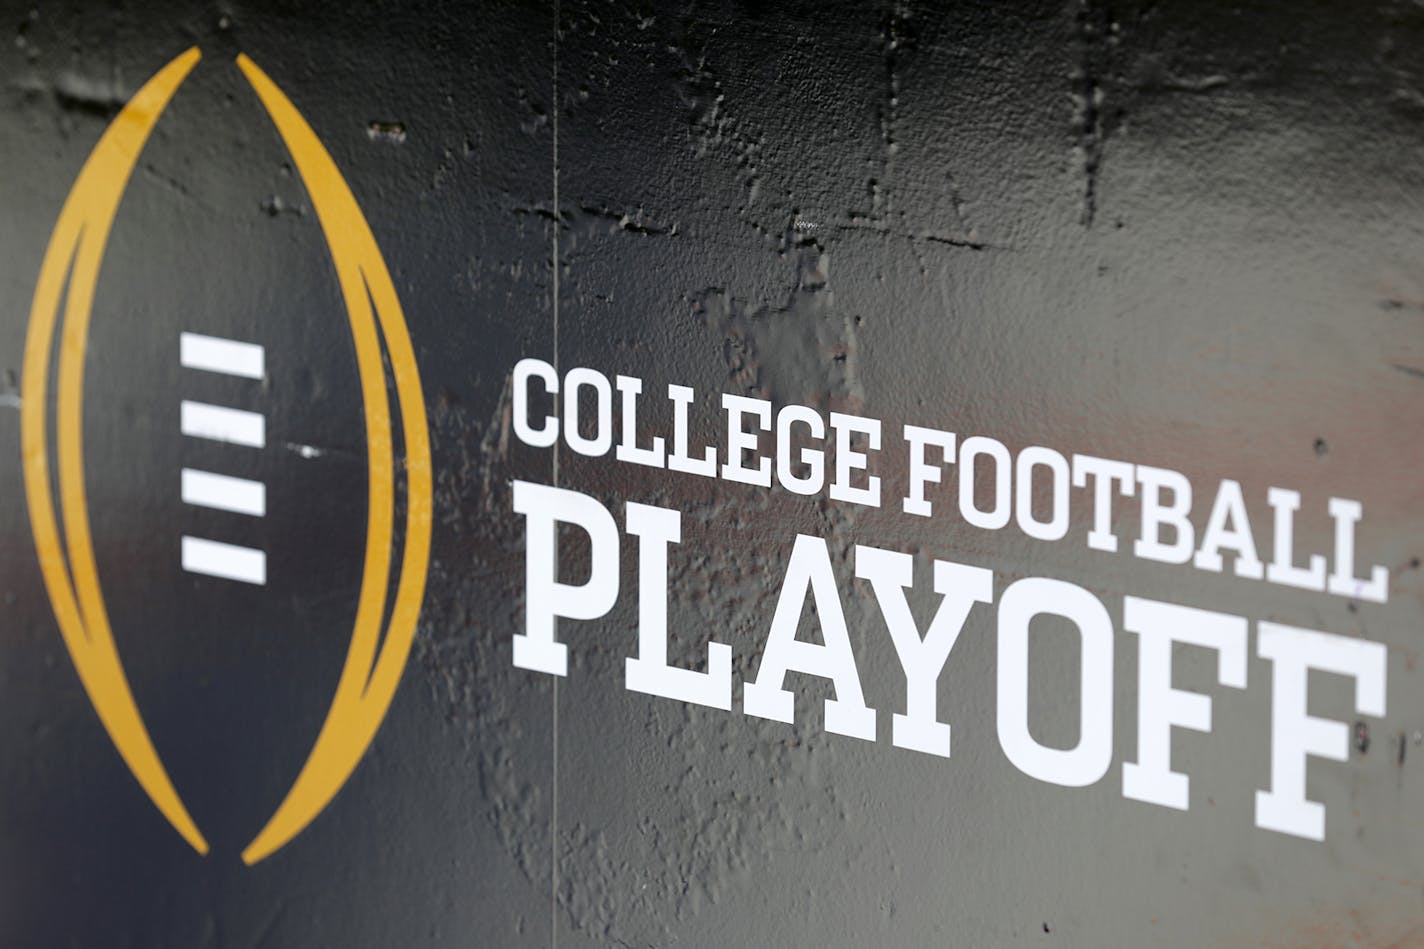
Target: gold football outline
[[374, 663]]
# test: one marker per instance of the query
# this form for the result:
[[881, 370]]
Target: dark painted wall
[[1183, 235]]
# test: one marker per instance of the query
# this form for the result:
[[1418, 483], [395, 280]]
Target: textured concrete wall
[[1186, 236]]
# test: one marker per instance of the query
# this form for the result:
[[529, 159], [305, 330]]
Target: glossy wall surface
[[1188, 236]]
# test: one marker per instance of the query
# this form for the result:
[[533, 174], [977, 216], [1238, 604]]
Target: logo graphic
[[70, 271]]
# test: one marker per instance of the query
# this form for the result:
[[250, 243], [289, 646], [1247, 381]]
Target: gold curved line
[[79, 238], [369, 677]]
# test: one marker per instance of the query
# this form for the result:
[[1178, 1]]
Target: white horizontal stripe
[[222, 424], [215, 354], [228, 561], [225, 493]]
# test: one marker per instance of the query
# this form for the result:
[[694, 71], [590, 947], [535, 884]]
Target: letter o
[[602, 440], [1089, 761], [969, 451], [1057, 524]]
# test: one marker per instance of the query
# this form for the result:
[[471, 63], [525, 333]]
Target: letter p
[[545, 598]]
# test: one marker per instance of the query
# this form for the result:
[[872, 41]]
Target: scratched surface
[[1182, 236]]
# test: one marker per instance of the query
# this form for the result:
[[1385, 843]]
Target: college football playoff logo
[[55, 494]]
